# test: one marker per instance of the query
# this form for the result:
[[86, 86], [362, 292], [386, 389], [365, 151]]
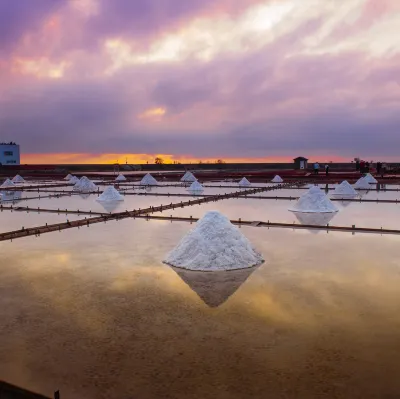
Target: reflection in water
[[84, 195], [110, 206], [316, 219], [214, 288], [8, 196]]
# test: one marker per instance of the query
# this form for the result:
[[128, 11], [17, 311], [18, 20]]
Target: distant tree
[[220, 161], [158, 161], [200, 162]]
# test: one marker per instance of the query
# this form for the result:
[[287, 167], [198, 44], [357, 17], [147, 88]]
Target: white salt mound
[[84, 185], [344, 188], [148, 180], [188, 177], [73, 180], [362, 184], [68, 177], [370, 179], [110, 194], [214, 244], [18, 179], [244, 183], [195, 186], [8, 183], [314, 200], [120, 177], [277, 179]]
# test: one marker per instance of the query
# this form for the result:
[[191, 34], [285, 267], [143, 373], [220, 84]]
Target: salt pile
[[244, 183], [314, 200], [277, 179], [188, 177], [120, 177], [196, 187], [370, 179], [214, 244], [362, 184], [344, 188], [73, 180], [18, 179], [8, 183], [85, 185], [148, 180], [110, 194], [68, 177]]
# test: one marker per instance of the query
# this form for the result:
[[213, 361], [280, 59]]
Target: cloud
[[286, 82]]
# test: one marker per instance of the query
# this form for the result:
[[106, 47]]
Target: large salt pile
[[344, 189], [148, 180], [196, 187], [110, 194], [314, 200], [8, 183], [244, 183], [277, 179], [214, 244], [85, 185], [362, 184], [120, 177], [370, 179], [18, 179], [188, 177], [68, 177]]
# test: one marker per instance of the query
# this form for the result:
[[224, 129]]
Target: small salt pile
[[149, 180], [18, 179], [277, 179], [8, 183], [370, 179], [68, 177], [195, 187], [244, 183], [188, 177], [73, 180], [214, 244], [120, 177], [314, 200], [344, 189], [110, 194], [85, 185], [362, 184]]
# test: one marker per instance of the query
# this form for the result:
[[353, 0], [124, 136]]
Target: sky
[[87, 81]]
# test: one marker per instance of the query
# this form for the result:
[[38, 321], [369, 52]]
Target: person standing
[[316, 168], [378, 167], [357, 164], [326, 170]]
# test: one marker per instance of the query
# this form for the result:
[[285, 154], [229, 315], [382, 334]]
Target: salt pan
[[120, 177], [18, 179], [314, 200], [214, 244], [344, 189], [148, 180], [110, 194], [277, 179], [188, 177], [362, 184], [244, 183], [8, 183]]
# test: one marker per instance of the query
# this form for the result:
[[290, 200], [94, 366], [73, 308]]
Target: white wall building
[[9, 154]]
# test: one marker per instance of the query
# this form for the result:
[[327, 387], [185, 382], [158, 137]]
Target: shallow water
[[95, 313]]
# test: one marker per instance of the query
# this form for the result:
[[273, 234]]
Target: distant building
[[300, 163], [9, 154]]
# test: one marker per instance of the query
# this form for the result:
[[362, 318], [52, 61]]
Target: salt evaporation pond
[[318, 319]]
